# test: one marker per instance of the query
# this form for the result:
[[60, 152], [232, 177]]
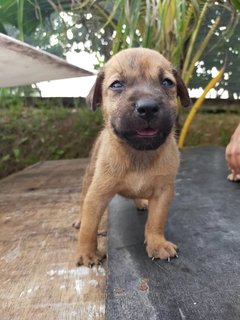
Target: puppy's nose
[[147, 108]]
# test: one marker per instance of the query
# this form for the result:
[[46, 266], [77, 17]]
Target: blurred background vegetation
[[199, 37]]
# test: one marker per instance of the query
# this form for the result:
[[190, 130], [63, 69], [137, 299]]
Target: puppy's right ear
[[182, 90], [94, 97]]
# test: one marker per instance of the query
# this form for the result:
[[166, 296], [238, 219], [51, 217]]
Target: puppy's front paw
[[161, 248], [90, 259]]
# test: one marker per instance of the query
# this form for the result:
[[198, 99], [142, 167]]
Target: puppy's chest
[[136, 185]]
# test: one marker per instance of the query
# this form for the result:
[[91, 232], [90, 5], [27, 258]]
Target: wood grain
[[39, 278]]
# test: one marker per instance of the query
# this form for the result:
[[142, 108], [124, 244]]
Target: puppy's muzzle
[[147, 125], [147, 108]]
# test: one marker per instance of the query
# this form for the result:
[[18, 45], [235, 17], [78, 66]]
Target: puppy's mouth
[[147, 132], [143, 139], [143, 135]]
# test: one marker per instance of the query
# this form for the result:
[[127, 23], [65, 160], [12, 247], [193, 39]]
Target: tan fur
[[147, 177]]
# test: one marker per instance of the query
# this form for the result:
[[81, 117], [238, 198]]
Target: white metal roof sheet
[[22, 64]]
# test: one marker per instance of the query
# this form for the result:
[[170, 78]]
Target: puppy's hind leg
[[141, 204], [87, 180]]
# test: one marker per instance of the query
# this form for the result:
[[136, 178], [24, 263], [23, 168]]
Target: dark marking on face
[[143, 134], [139, 77]]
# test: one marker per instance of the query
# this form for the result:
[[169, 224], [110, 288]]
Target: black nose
[[147, 108]]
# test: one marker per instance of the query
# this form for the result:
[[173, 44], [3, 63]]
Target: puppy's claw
[[90, 259], [76, 224], [169, 259], [163, 250]]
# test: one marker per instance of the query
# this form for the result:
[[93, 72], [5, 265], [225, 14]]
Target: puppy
[[136, 154]]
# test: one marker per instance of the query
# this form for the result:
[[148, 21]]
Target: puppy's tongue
[[147, 132]]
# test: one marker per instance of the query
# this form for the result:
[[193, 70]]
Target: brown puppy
[[136, 154]]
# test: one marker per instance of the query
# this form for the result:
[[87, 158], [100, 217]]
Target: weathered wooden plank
[[39, 279], [204, 282]]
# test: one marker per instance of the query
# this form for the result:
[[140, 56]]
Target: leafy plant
[[196, 107], [174, 28], [171, 27], [27, 15], [185, 31], [17, 154]]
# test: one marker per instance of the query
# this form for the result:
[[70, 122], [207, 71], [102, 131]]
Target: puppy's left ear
[[94, 98], [182, 90]]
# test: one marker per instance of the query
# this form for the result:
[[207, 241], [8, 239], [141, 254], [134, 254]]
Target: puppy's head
[[138, 90]]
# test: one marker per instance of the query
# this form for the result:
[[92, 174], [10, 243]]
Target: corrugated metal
[[22, 64]]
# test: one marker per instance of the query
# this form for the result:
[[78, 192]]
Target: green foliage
[[194, 34], [47, 131], [56, 27], [165, 26], [212, 128], [50, 131], [27, 15], [172, 28], [23, 91], [236, 4], [187, 32]]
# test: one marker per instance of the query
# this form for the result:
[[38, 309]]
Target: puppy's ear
[[94, 97], [182, 90]]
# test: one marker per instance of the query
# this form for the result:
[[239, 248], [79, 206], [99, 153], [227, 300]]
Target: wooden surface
[[38, 276], [204, 282]]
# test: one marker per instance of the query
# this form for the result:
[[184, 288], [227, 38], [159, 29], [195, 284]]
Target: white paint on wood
[[38, 247], [80, 271], [79, 286], [93, 283], [95, 311], [12, 254]]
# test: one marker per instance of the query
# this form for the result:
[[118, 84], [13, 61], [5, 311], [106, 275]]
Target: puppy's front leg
[[157, 245], [94, 206]]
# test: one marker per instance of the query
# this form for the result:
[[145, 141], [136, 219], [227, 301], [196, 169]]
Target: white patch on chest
[[136, 184]]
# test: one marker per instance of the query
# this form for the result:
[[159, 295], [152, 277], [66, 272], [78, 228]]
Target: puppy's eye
[[117, 85], [167, 83]]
